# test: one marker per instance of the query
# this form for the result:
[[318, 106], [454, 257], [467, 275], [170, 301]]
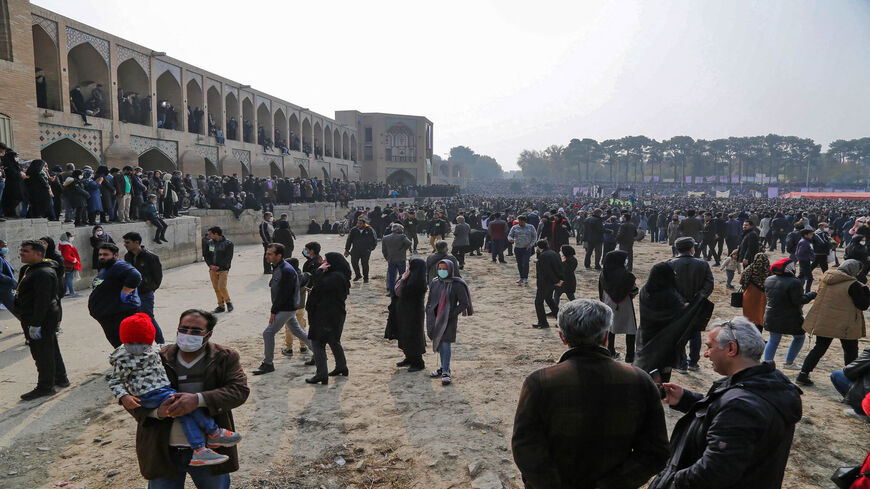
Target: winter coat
[[569, 279], [71, 259], [748, 245], [406, 320], [95, 200], [785, 296], [738, 436], [858, 372], [105, 298], [458, 300], [548, 270], [96, 241], [838, 309], [804, 250], [326, 306], [673, 232], [593, 230], [691, 226], [74, 192], [36, 295]]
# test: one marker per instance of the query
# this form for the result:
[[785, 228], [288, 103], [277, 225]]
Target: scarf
[[616, 281], [757, 271], [445, 306]]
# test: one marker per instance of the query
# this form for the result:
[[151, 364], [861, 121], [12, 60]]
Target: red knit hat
[[778, 266], [137, 328]]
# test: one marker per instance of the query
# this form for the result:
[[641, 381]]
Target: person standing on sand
[[407, 315], [218, 255], [330, 286], [448, 298]]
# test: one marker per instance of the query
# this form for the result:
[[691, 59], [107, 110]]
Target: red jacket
[[70, 256]]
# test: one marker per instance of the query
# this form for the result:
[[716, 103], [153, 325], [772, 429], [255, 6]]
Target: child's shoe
[[205, 456], [223, 438]]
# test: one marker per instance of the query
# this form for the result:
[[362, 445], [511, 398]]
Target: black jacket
[[285, 288], [791, 241], [748, 245], [785, 296], [149, 267], [218, 253], [361, 242], [694, 277], [36, 298], [549, 269], [858, 372], [569, 286], [105, 298], [737, 436], [626, 235], [593, 229]]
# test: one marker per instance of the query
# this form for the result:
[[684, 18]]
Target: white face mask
[[188, 342]]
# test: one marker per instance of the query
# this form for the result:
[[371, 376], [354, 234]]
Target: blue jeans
[[201, 476], [444, 351], [68, 282], [694, 351], [497, 249], [394, 270], [191, 423], [523, 256], [797, 342], [841, 383], [147, 307]]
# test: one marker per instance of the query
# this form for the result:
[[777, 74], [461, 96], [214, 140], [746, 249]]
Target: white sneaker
[[851, 413], [791, 366]]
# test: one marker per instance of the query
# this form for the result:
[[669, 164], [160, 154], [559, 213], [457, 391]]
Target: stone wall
[[183, 234]]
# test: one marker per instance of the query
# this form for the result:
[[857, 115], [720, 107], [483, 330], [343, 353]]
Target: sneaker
[[791, 366], [435, 373], [804, 379], [205, 456], [851, 413], [287, 352], [694, 367], [218, 309], [519, 281], [229, 307], [264, 368], [224, 438], [445, 378], [36, 393]]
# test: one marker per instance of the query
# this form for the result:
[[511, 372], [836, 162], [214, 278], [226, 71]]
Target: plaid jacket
[[136, 374], [589, 422]]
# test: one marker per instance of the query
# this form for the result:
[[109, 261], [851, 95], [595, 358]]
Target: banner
[[723, 194], [688, 179], [696, 194], [735, 179], [772, 192], [711, 179], [668, 180], [699, 179], [576, 191]]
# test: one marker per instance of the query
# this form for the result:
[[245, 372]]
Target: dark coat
[[858, 372], [225, 387], [569, 284], [549, 269], [593, 230], [748, 245], [588, 422], [36, 301], [12, 192], [326, 305], [95, 198], [75, 193], [459, 302], [285, 237], [785, 296], [149, 267], [693, 275], [105, 298], [626, 235], [95, 248], [738, 436], [407, 319]]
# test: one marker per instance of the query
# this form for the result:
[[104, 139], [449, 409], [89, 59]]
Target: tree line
[[632, 158]]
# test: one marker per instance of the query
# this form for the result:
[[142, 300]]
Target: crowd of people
[[593, 397]]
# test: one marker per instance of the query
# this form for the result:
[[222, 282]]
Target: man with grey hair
[[588, 421], [395, 246], [461, 243], [740, 433]]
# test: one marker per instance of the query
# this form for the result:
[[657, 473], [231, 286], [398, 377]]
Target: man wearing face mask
[[37, 303], [206, 375], [114, 295]]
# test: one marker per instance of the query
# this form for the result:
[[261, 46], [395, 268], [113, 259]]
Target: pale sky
[[502, 76]]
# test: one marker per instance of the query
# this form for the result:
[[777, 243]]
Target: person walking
[[266, 231], [330, 285], [438, 228], [567, 412], [284, 288], [497, 230], [695, 284], [523, 236], [783, 314], [448, 298], [617, 288], [754, 299], [805, 256], [411, 224], [394, 248], [72, 263], [360, 243], [836, 313], [37, 306], [461, 243], [740, 433], [549, 276], [569, 279], [218, 255], [407, 313], [284, 235], [114, 295], [149, 267], [625, 238], [748, 244]]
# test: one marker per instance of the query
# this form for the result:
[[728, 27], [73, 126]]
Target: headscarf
[[757, 271], [443, 310], [850, 267], [338, 264], [415, 284], [616, 281]]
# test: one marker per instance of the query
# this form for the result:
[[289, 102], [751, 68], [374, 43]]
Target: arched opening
[[47, 70], [194, 107], [88, 72], [327, 141], [168, 101], [318, 141], [325, 175], [303, 172], [275, 170], [215, 111], [401, 177], [306, 136], [345, 146], [457, 171], [154, 159], [134, 97], [293, 137], [264, 125], [343, 174], [247, 120], [232, 117], [280, 131], [445, 170], [210, 168], [353, 147], [65, 151], [336, 143]]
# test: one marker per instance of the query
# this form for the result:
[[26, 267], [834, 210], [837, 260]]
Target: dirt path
[[382, 426]]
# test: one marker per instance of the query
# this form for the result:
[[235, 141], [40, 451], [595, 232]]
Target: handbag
[[737, 298], [857, 477]]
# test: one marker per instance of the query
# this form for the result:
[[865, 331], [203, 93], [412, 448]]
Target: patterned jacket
[[136, 374]]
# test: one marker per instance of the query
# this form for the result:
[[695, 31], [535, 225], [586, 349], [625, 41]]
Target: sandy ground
[[382, 426]]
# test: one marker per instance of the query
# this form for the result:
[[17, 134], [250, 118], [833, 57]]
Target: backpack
[[791, 242]]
